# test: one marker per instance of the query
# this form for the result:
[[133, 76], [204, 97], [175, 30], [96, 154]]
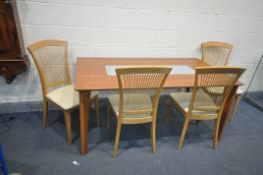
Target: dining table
[[94, 74]]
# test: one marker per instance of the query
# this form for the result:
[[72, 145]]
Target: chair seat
[[239, 91], [183, 99], [66, 97], [114, 101]]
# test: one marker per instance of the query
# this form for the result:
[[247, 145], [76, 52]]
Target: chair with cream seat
[[201, 104], [137, 101], [216, 53], [51, 59]]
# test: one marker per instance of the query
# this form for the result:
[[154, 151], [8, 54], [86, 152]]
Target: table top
[[91, 73]]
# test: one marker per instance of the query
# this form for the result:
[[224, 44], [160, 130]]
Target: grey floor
[[31, 150]]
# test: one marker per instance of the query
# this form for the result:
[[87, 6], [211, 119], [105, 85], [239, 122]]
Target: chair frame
[[205, 45], [46, 87], [228, 46], [189, 115], [151, 119]]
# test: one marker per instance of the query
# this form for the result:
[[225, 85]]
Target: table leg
[[84, 120], [226, 111]]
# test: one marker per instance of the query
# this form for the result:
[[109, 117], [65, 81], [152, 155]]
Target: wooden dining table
[[91, 75]]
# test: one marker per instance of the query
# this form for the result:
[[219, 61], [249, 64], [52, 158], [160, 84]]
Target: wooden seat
[[51, 59], [216, 53], [137, 101], [201, 104]]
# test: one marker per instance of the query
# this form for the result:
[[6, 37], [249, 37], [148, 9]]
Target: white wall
[[138, 28]]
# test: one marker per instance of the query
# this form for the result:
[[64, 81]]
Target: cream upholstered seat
[[137, 101], [202, 104], [216, 53], [66, 97], [51, 59]]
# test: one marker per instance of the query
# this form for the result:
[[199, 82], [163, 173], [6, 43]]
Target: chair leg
[[237, 100], [117, 139], [45, 110], [166, 115], [153, 136], [108, 115], [186, 123], [216, 129], [97, 110], [68, 126]]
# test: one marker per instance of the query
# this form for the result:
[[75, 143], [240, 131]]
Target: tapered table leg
[[84, 120], [226, 111]]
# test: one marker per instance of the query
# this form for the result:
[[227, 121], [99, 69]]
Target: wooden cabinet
[[12, 62]]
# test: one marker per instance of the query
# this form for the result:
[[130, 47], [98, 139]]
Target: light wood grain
[[91, 73]]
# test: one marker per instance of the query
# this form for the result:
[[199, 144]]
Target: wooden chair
[[51, 59], [137, 102], [201, 104], [217, 53]]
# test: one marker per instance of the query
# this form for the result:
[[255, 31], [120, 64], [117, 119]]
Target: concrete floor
[[31, 150]]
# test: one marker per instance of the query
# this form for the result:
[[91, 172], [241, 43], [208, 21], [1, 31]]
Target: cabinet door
[[9, 43]]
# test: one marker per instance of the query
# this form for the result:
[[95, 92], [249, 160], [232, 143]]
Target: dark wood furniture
[[91, 75], [12, 62]]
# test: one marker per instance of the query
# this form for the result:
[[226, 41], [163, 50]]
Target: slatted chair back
[[139, 90], [220, 81], [216, 53], [51, 59]]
